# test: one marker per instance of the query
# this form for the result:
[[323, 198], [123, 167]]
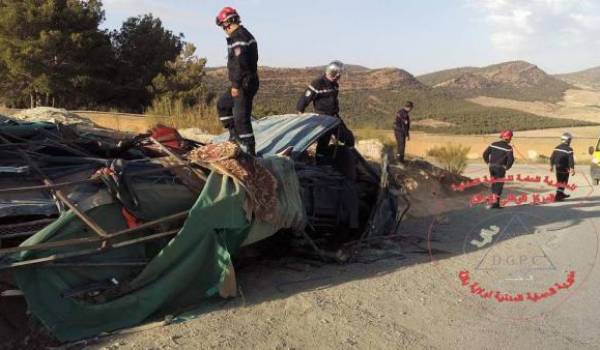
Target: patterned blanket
[[227, 158]]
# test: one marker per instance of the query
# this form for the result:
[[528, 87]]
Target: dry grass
[[453, 157], [202, 116], [385, 136]]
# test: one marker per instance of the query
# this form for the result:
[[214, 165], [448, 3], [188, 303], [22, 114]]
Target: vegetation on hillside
[[434, 78], [517, 80], [549, 90], [377, 109], [589, 77]]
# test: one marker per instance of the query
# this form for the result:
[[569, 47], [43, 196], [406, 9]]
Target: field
[[577, 104], [526, 143]]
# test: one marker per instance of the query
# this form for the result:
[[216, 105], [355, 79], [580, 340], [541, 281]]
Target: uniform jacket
[[402, 122], [562, 157], [242, 59], [323, 93], [500, 154]]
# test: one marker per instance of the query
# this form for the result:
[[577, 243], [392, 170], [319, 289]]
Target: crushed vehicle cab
[[338, 194], [595, 166], [155, 231]]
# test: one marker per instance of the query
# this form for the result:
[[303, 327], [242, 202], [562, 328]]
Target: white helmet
[[334, 69], [566, 137]]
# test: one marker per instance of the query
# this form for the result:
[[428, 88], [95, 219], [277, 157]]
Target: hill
[[274, 80], [589, 77], [517, 80], [370, 98], [435, 78]]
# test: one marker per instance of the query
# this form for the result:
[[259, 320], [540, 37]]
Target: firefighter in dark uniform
[[402, 129], [563, 161], [499, 157], [323, 93], [235, 106]]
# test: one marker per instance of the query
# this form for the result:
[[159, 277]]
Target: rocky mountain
[[517, 80], [276, 80], [589, 77], [370, 98]]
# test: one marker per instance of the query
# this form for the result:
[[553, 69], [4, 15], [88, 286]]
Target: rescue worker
[[235, 106], [499, 157], [323, 93], [402, 129], [562, 160]]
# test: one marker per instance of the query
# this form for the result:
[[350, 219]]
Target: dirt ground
[[406, 294]]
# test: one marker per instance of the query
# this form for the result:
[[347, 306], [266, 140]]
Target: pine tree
[[51, 52], [184, 80], [142, 47]]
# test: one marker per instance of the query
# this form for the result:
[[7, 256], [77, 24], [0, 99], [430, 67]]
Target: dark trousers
[[342, 134], [400, 144], [235, 113], [562, 177], [497, 172]]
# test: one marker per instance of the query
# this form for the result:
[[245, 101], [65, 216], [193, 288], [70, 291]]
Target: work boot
[[232, 136], [251, 149], [496, 205], [560, 197]]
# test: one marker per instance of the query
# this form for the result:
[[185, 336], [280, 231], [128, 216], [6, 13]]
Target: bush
[[452, 157], [385, 136]]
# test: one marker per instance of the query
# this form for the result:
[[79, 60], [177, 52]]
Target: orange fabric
[[167, 136], [132, 221]]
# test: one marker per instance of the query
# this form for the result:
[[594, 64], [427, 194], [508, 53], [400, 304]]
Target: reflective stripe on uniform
[[500, 148], [245, 136], [320, 91], [225, 118], [241, 43], [563, 151]]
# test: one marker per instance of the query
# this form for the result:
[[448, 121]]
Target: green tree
[[142, 47], [183, 80], [51, 51]]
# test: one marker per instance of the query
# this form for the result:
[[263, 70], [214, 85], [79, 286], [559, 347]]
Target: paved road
[[549, 251]]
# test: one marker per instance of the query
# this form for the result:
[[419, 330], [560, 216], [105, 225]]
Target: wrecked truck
[[131, 238]]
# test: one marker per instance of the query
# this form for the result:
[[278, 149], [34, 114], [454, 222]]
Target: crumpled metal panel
[[275, 134], [46, 207]]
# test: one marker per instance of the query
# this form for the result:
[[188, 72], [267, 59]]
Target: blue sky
[[417, 35]]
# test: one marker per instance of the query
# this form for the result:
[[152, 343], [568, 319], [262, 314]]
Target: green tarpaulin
[[187, 269]]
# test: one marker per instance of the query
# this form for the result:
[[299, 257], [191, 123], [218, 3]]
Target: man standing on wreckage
[[323, 93], [235, 106]]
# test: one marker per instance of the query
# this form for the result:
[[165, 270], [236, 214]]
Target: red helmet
[[227, 14], [506, 135]]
